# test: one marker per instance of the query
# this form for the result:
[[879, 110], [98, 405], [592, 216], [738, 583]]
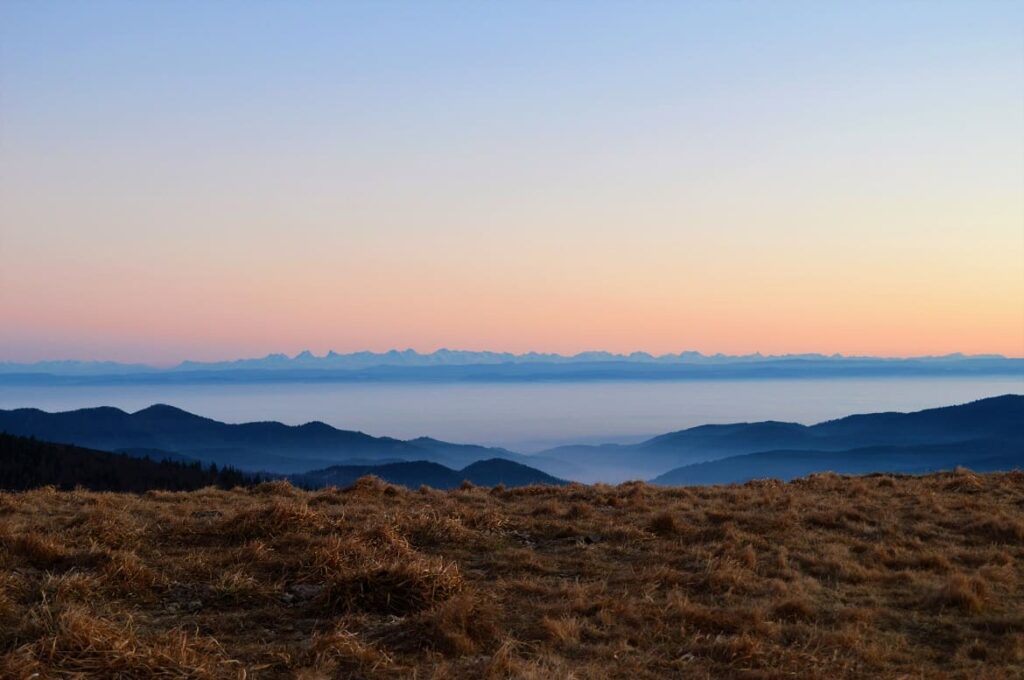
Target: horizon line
[[307, 354]]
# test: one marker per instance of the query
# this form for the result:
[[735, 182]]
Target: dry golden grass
[[831, 577]]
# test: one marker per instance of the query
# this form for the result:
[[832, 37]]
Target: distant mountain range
[[988, 434], [458, 365]]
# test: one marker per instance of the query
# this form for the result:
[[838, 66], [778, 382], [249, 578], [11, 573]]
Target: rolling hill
[[259, 446], [27, 463], [980, 455], [923, 440], [416, 473], [996, 418]]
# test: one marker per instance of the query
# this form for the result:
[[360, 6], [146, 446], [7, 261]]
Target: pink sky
[[725, 177]]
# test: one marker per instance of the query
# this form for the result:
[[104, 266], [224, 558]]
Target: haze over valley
[[986, 435], [525, 416]]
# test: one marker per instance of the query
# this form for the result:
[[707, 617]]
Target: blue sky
[[212, 179]]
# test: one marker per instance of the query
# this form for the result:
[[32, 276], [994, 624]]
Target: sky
[[215, 180]]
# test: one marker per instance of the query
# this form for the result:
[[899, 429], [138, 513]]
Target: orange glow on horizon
[[719, 177]]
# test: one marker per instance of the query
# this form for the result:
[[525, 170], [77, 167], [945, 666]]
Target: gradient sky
[[221, 179]]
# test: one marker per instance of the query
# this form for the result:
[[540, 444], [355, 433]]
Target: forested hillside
[[27, 463]]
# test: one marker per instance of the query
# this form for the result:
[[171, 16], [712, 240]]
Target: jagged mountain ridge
[[446, 358]]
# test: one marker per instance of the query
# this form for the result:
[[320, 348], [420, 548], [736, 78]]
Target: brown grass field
[[826, 577]]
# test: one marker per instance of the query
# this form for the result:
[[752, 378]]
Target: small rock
[[306, 591]]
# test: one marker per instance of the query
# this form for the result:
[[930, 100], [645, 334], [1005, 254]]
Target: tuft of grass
[[73, 641], [563, 631], [278, 487], [398, 587], [999, 529], [962, 592], [371, 485], [271, 520], [429, 529], [793, 609], [663, 524], [342, 653], [462, 625], [37, 550]]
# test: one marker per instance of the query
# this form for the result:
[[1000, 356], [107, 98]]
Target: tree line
[[27, 463]]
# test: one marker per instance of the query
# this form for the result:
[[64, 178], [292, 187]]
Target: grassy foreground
[[829, 577]]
